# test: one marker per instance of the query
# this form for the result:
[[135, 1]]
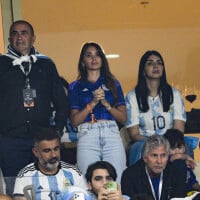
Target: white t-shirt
[[154, 121], [47, 186]]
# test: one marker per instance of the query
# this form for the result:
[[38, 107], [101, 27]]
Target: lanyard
[[89, 108], [160, 184], [25, 66]]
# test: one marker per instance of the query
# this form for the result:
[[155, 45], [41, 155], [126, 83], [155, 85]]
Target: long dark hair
[[142, 91], [105, 72]]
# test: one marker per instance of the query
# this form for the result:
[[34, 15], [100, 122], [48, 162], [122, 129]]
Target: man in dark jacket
[[153, 175], [29, 83]]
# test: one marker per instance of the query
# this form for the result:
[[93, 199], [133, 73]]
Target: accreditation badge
[[29, 94]]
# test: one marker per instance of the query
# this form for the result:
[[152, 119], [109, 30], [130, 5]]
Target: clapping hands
[[99, 94]]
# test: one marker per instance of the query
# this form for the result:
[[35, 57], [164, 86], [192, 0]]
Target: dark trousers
[[69, 155], [15, 153]]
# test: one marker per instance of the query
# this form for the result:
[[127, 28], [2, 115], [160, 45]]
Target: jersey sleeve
[[120, 94], [73, 92], [80, 181], [132, 109], [20, 183], [179, 107]]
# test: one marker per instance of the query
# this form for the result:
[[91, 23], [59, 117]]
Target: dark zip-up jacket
[[15, 119], [135, 181]]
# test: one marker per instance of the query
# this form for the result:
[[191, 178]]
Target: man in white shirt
[[49, 176]]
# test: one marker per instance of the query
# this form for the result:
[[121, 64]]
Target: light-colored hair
[[153, 142]]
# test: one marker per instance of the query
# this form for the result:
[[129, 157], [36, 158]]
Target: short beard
[[50, 166]]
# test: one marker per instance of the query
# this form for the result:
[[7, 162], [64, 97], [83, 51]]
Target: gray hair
[[153, 142]]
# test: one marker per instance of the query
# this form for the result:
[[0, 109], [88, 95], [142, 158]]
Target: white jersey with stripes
[[47, 186]]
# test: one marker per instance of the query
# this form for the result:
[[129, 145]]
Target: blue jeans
[[135, 152], [100, 141]]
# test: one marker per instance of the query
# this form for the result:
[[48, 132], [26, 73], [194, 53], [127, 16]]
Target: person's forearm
[[135, 134], [119, 113], [78, 117], [180, 125], [138, 137]]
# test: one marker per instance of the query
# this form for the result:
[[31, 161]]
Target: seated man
[[48, 175], [153, 175], [177, 151], [98, 175]]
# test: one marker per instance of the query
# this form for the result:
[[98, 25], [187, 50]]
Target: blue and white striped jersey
[[46, 186], [155, 120]]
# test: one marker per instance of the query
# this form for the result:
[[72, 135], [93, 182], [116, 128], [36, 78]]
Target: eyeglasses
[[152, 63], [100, 178]]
